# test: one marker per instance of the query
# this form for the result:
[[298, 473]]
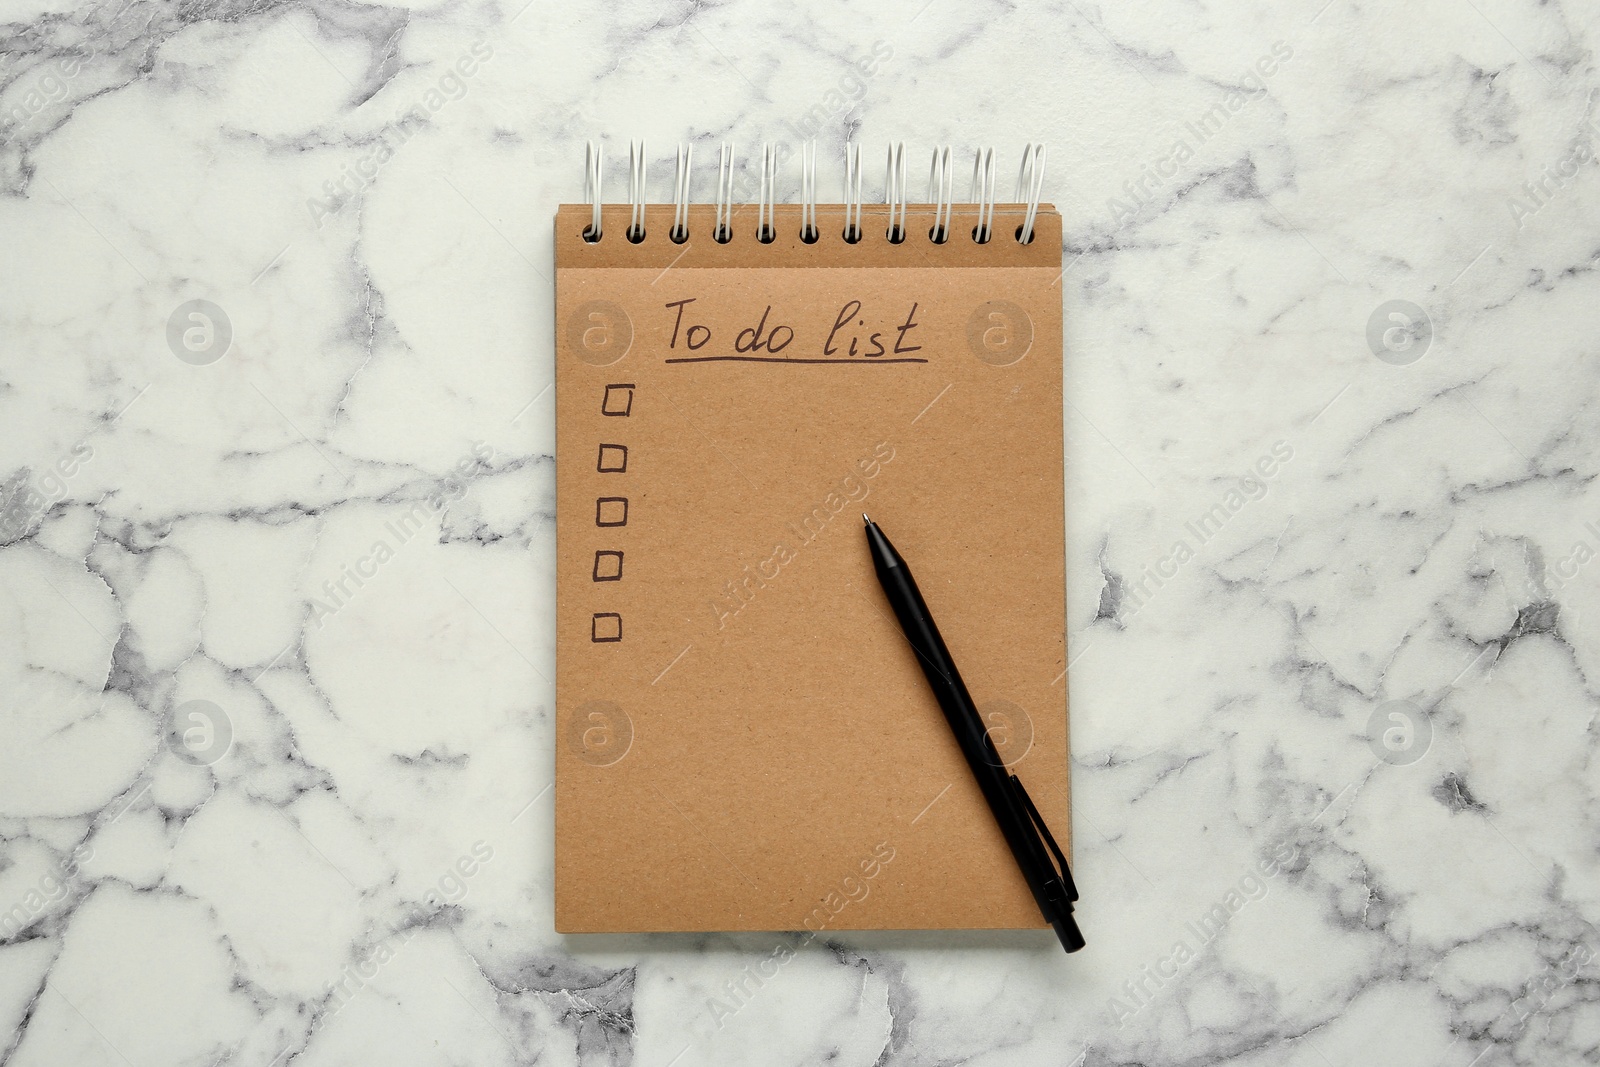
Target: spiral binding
[[636, 175], [940, 179], [1029, 183], [808, 193], [722, 233], [896, 193], [680, 195], [852, 193], [593, 159], [983, 194], [767, 226]]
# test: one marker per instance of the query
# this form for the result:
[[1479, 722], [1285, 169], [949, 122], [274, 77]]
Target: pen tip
[[865, 519]]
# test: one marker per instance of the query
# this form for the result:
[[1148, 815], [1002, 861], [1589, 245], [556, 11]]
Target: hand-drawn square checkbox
[[613, 459], [618, 401], [606, 627], [611, 511], [607, 566]]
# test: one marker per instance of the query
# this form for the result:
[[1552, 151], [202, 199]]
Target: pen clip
[[1038, 821]]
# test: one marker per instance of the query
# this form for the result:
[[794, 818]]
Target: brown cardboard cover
[[744, 739]]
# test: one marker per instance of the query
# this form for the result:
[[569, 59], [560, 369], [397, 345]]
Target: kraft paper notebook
[[744, 740]]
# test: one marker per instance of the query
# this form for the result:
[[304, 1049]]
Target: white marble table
[[272, 793]]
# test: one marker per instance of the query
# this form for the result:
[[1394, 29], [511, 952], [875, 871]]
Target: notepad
[[744, 739]]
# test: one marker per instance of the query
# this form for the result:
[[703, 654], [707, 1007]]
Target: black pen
[[1050, 882]]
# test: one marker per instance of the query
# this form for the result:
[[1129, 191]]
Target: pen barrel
[[987, 767], [937, 665]]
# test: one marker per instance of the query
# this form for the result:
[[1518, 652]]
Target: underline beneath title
[[863, 361]]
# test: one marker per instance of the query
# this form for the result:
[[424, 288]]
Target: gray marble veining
[[275, 541]]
